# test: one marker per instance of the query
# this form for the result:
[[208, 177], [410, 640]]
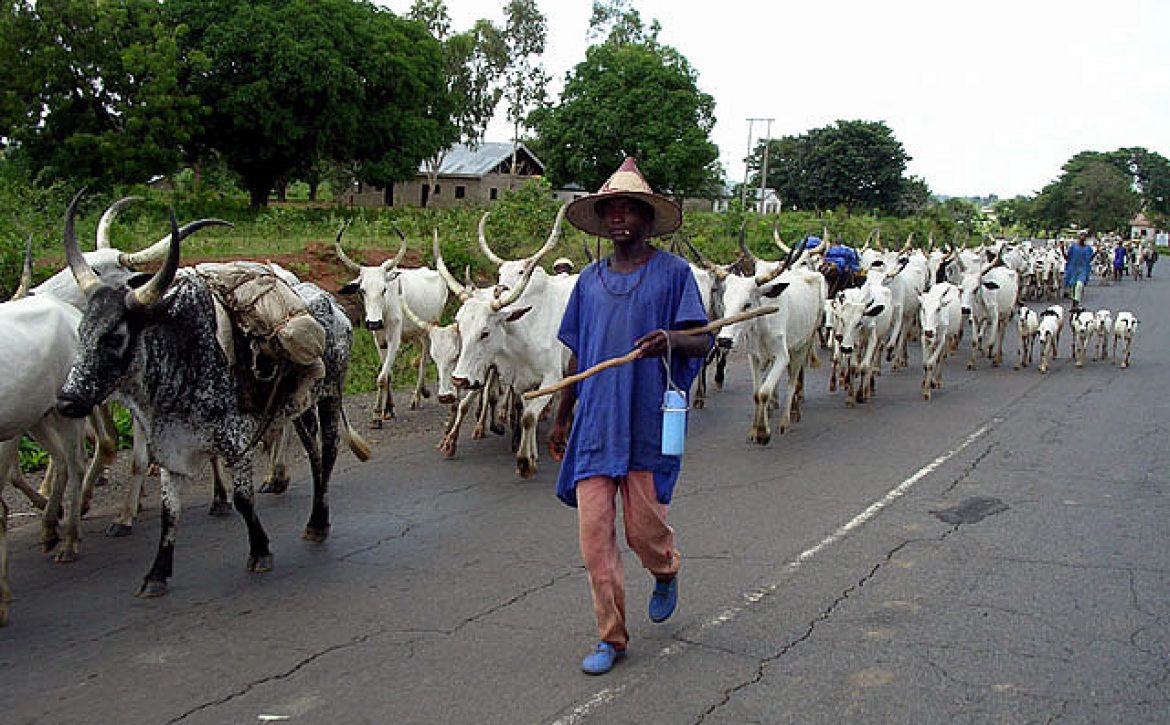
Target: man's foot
[[664, 599], [601, 659]]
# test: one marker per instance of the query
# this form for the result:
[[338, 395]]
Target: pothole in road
[[971, 510]]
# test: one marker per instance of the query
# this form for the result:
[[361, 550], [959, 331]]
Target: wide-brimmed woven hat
[[627, 181]]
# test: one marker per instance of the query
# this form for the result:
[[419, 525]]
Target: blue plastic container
[[674, 422]]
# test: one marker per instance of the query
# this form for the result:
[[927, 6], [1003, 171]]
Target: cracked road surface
[[999, 554]]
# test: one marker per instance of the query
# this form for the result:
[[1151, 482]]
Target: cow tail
[[353, 439]]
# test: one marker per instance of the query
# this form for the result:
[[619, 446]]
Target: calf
[[1028, 326], [1048, 334], [1083, 324], [1124, 328], [1103, 331], [156, 347], [941, 320]]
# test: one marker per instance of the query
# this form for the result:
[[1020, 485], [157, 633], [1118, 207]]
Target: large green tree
[[93, 92], [853, 164], [293, 82], [630, 96], [1095, 190]]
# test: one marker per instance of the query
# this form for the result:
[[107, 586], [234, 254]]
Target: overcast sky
[[987, 97]]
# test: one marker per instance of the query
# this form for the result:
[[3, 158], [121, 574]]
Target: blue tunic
[[1077, 265], [617, 426]]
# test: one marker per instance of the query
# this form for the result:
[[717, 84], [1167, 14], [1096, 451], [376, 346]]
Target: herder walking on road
[[639, 297]]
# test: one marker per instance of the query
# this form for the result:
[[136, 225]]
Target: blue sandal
[[601, 659], [664, 599]]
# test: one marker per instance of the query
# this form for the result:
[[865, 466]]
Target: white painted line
[[610, 694]]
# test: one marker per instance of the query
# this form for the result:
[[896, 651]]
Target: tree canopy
[[631, 96], [94, 92], [851, 164]]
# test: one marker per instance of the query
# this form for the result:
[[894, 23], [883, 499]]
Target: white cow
[[941, 320], [864, 318], [517, 333], [1048, 334], [40, 344], [989, 298], [382, 290], [1124, 328], [1028, 327], [783, 342]]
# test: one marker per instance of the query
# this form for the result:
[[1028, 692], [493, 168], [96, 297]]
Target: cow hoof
[[151, 589], [275, 486], [219, 508], [1124, 366], [260, 564], [926, 395], [1015, 367], [970, 366], [48, 543], [524, 469], [65, 556], [446, 449], [376, 424], [498, 429], [697, 405], [119, 530], [477, 434], [316, 534]]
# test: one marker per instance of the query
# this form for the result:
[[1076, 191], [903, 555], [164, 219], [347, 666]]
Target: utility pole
[[743, 189], [764, 165]]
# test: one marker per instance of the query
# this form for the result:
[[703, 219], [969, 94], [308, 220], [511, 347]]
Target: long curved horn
[[25, 272], [767, 277], [452, 284], [103, 228], [483, 245], [152, 291], [695, 253], [158, 250], [390, 264], [351, 265], [877, 242], [410, 314], [868, 238], [87, 279], [553, 237], [780, 242], [909, 243], [743, 247], [514, 294]]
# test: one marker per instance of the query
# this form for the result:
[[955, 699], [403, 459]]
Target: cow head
[[856, 309], [113, 319], [934, 306], [379, 286]]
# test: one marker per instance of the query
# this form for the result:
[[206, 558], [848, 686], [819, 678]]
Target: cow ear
[[517, 314], [775, 290], [875, 310], [990, 284], [348, 289]]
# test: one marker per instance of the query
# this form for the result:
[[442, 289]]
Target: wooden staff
[[636, 353]]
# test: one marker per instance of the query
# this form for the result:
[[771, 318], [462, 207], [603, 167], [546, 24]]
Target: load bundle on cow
[[155, 347]]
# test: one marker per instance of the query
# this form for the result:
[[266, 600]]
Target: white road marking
[[610, 694]]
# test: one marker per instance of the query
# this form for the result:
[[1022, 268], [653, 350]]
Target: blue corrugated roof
[[462, 160]]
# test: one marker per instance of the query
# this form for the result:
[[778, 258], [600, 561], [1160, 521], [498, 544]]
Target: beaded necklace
[[641, 275]]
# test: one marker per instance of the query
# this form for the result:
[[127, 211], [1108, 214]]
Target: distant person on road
[[1119, 255], [1149, 257], [1078, 262], [638, 297]]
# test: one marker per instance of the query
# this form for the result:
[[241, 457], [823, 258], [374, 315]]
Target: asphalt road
[[999, 554]]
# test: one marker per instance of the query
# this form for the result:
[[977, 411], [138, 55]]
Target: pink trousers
[[646, 533]]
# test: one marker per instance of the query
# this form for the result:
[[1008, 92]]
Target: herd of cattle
[[164, 345]]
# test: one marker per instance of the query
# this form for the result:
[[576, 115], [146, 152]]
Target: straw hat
[[628, 182]]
